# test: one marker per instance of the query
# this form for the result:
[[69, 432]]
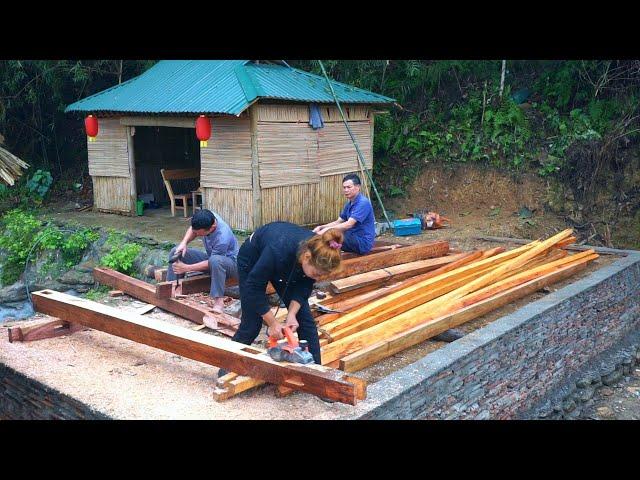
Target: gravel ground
[[616, 402]]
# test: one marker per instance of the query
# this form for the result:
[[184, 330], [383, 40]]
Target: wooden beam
[[423, 291], [51, 329], [201, 347], [576, 248], [411, 253], [255, 170], [197, 284], [147, 293], [393, 273], [385, 348], [396, 325], [175, 122], [133, 195]]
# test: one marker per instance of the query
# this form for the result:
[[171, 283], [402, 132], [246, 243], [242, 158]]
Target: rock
[[568, 405], [13, 293], [450, 335], [86, 266], [612, 378], [75, 277], [604, 412], [574, 415], [607, 392], [583, 383], [584, 394]]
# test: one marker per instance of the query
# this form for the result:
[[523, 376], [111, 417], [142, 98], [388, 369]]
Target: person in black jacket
[[291, 258]]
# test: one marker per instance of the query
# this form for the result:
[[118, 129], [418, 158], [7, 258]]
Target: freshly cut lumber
[[147, 293], [51, 329], [375, 261], [116, 293], [354, 302], [160, 274], [396, 272], [402, 322], [407, 298], [377, 351], [566, 242], [505, 268], [230, 388], [576, 248], [201, 347], [145, 309]]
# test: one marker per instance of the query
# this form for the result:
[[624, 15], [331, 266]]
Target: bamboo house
[[263, 162]]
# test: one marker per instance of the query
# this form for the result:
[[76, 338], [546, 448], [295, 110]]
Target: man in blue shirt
[[356, 219], [219, 260]]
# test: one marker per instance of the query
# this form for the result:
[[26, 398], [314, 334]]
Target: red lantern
[[203, 129], [91, 126]]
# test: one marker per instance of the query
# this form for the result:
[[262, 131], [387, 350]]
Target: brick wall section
[[507, 368], [23, 398]]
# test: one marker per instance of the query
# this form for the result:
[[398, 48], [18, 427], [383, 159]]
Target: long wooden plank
[[411, 253], [424, 291], [577, 248], [394, 273], [382, 331], [418, 334], [507, 267], [209, 349], [147, 293]]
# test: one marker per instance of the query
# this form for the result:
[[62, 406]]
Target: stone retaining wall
[[23, 398], [515, 366]]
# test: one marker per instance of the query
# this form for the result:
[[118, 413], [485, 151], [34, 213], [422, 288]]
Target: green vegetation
[[24, 235], [122, 254], [453, 112], [98, 293]]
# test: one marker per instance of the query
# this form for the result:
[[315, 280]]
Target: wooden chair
[[179, 174], [194, 195]]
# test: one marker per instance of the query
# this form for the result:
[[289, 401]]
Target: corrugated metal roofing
[[217, 86]]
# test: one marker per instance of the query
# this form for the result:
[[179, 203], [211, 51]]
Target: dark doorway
[[168, 148]]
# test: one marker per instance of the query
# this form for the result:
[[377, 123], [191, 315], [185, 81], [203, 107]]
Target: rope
[[355, 143]]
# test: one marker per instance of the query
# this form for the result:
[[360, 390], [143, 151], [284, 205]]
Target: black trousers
[[251, 321]]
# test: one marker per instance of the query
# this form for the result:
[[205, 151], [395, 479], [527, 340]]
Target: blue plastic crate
[[408, 226]]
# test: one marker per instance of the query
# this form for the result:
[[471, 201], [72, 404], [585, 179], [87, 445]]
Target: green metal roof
[[217, 86]]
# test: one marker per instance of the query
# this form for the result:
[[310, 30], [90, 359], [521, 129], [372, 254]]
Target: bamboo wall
[[108, 155], [301, 169], [112, 194], [226, 160], [287, 154], [235, 206], [293, 203]]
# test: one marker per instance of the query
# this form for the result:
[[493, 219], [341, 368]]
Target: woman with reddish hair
[[291, 258]]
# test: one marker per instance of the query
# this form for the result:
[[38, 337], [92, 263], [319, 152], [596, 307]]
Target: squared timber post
[[132, 168], [255, 170]]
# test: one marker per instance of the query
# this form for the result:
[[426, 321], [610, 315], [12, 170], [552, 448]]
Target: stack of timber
[[400, 312]]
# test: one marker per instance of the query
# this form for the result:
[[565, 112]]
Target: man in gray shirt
[[219, 260]]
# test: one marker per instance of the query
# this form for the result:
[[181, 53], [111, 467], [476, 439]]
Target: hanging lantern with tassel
[[203, 129], [91, 126]]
